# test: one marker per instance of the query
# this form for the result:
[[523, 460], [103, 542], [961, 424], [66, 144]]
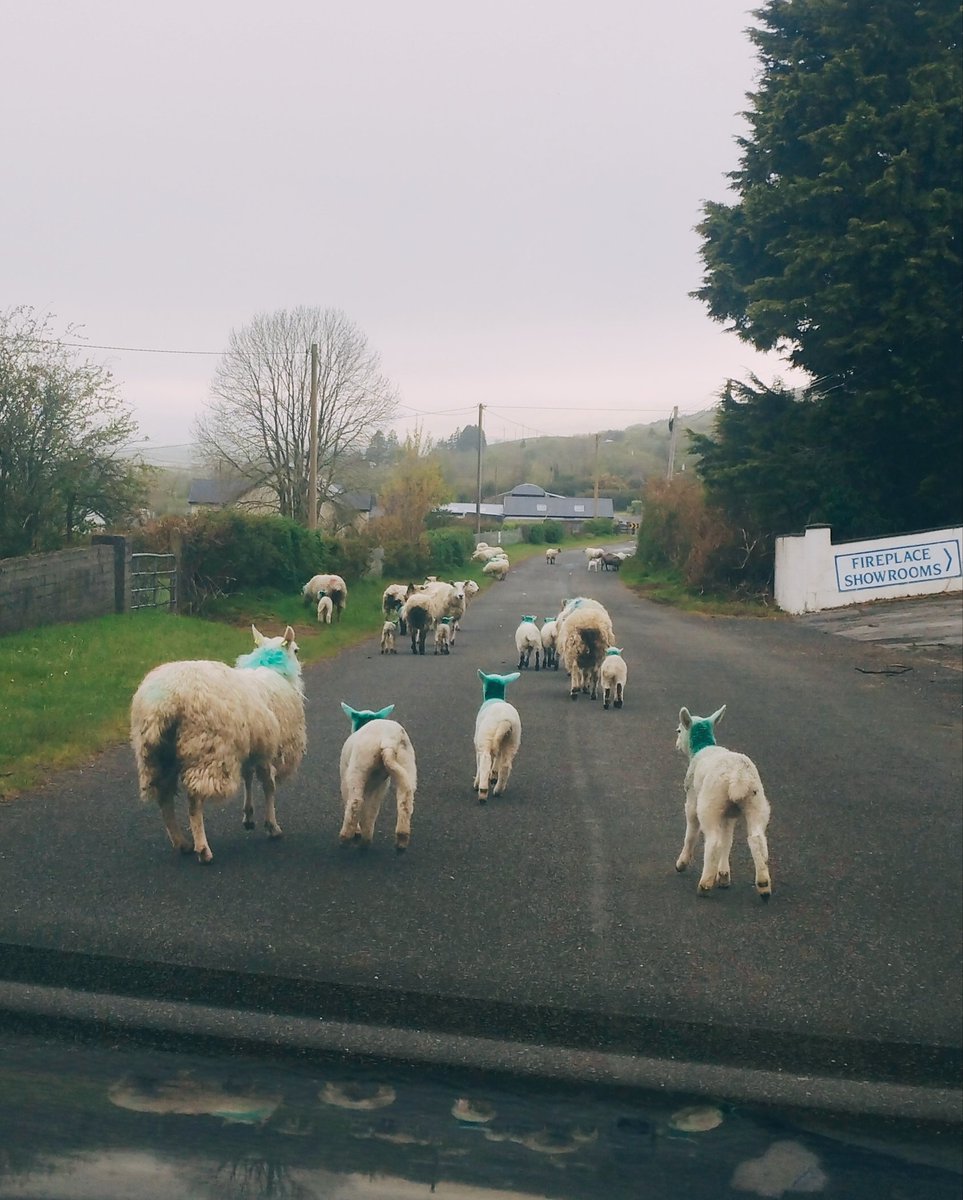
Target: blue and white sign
[[896, 566]]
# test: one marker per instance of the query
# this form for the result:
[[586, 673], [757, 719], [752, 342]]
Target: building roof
[[530, 489], [358, 501], [217, 491], [564, 508]]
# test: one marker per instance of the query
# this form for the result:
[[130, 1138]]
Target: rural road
[[548, 930]]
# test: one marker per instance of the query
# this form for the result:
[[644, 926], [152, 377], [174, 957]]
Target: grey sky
[[501, 195]]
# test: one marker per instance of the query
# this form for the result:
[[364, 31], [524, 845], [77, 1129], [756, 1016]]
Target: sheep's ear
[[717, 716], [348, 711], [685, 718], [258, 636], [383, 713], [289, 636], [481, 675], [511, 678]]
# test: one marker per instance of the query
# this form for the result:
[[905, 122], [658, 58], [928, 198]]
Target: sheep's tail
[[501, 733], [154, 736]]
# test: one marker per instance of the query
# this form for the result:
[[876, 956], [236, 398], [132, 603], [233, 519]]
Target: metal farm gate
[[153, 581]]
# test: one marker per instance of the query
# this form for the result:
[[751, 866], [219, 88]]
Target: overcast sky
[[501, 195]]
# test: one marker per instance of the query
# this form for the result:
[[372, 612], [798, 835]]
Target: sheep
[[423, 609], [498, 734], [549, 636], [593, 551], [528, 637], [377, 752], [443, 636], [484, 553], [210, 726], [551, 554], [611, 562], [585, 633], [719, 785], [327, 585], [498, 568], [325, 609], [393, 599], [614, 673], [388, 637], [595, 563], [471, 591]]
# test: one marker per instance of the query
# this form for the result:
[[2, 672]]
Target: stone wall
[[66, 585]]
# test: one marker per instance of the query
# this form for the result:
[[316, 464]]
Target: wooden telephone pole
[[596, 491], [478, 475], [673, 438], [313, 443]]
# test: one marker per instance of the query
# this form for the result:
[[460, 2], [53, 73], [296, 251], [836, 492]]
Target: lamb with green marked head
[[376, 754], [498, 734]]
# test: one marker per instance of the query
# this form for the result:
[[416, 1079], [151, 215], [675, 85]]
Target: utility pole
[[596, 493], [478, 476], [313, 443], [673, 438]]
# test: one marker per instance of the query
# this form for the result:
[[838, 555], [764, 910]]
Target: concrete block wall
[[66, 585]]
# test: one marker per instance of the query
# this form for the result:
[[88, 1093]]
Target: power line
[[124, 349]]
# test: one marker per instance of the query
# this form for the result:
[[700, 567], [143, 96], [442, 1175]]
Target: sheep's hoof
[[680, 866], [704, 889], [605, 704], [273, 831], [401, 841], [204, 856], [574, 693], [618, 703], [723, 881], [248, 822], [482, 799]]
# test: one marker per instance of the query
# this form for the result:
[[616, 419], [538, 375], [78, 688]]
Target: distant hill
[[627, 458]]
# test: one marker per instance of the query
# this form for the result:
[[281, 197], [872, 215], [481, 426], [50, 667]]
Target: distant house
[[207, 495], [347, 510], [529, 502]]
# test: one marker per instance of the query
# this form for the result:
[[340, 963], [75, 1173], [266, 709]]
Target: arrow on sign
[[949, 557]]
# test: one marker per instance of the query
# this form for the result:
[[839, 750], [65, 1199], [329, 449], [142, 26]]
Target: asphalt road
[[552, 916]]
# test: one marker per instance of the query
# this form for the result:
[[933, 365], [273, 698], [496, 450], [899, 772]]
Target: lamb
[[528, 637], [614, 673], [551, 554], [585, 633], [210, 726], [719, 785], [498, 734], [327, 585], [549, 635], [377, 752], [497, 567], [325, 609], [444, 635], [388, 637], [595, 563]]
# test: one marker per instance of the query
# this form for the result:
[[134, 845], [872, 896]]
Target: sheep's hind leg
[[247, 820], [759, 848], [618, 695], [725, 875], [374, 794], [691, 834], [196, 814], [269, 784], [350, 828], [714, 840], [483, 775], [178, 839], [405, 800]]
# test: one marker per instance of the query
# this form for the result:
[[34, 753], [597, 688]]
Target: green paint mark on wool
[[359, 717], [269, 656], [701, 735], [493, 686]]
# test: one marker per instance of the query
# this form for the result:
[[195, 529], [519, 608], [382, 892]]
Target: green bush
[[533, 533], [599, 527], [229, 550], [554, 532], [450, 548]]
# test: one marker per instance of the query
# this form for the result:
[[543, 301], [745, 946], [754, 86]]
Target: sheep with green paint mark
[[720, 785], [377, 753], [498, 734], [549, 636], [211, 727], [528, 641]]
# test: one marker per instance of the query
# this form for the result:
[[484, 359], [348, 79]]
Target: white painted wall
[[812, 573]]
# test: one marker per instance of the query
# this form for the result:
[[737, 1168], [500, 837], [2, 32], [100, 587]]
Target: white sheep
[[595, 563], [614, 673], [528, 638], [594, 551], [327, 585], [497, 568], [471, 591], [444, 635], [585, 633], [719, 785], [325, 609], [551, 554], [498, 734], [549, 635], [426, 606], [388, 637], [377, 752], [393, 599], [210, 727]]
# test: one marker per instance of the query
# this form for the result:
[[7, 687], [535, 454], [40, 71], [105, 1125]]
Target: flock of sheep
[[211, 728]]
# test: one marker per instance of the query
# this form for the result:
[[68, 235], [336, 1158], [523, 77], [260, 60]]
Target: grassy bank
[[662, 587]]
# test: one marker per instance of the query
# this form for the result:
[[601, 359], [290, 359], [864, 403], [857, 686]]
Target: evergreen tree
[[842, 249]]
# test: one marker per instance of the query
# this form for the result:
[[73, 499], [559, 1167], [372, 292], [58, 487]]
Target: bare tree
[[258, 424]]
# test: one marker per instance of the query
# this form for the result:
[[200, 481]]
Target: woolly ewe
[[719, 785], [210, 727]]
